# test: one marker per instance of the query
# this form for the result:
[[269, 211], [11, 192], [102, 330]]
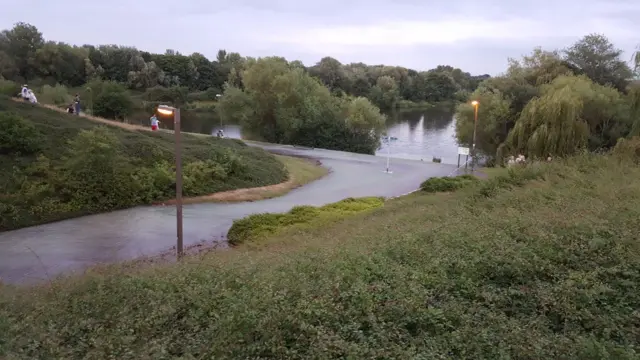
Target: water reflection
[[422, 135]]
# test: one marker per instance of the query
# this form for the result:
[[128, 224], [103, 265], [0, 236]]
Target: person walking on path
[[154, 123], [77, 104], [32, 97], [25, 92]]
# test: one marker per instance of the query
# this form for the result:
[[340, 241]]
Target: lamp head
[[475, 103], [166, 110]]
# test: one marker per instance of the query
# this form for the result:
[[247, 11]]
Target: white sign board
[[463, 150]]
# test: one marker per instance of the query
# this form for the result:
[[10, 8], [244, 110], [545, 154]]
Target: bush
[[96, 175], [56, 95], [200, 175], [9, 88], [113, 103], [17, 135], [257, 226], [628, 149], [446, 184]]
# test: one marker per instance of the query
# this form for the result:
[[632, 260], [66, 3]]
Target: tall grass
[[538, 263]]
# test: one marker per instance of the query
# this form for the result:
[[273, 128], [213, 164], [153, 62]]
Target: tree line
[[25, 56], [555, 103], [340, 108]]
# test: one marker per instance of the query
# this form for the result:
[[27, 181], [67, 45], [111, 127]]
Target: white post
[[388, 141], [388, 153]]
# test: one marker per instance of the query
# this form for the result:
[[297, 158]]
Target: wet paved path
[[77, 243]]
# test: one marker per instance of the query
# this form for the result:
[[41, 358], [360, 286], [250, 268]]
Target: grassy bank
[[542, 263], [411, 105], [424, 105], [55, 166]]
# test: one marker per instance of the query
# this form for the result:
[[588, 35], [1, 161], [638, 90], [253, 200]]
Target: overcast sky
[[477, 36]]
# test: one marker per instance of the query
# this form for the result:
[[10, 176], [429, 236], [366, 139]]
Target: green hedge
[[55, 166], [447, 184], [256, 226]]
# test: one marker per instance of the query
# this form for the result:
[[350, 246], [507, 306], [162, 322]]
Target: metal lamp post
[[168, 110], [387, 140], [475, 128]]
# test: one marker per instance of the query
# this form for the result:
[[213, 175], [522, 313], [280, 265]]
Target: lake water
[[420, 135]]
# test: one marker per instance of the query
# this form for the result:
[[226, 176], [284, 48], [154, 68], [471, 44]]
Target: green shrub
[[96, 174], [56, 95], [113, 103], [446, 184], [257, 226], [17, 135], [9, 88], [200, 175], [628, 149]]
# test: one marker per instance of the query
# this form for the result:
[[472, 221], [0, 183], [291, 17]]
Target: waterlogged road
[[33, 254]]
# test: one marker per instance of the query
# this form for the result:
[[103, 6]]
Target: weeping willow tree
[[634, 103], [572, 113], [634, 96]]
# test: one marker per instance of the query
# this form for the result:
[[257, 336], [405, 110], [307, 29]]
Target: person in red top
[[154, 123]]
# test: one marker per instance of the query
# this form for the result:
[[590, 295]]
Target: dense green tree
[[113, 102], [539, 107], [331, 72], [21, 43], [571, 113], [26, 56], [281, 103], [385, 93], [495, 120], [439, 86], [540, 67], [600, 60]]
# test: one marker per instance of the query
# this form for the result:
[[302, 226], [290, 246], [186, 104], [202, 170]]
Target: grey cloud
[[245, 26]]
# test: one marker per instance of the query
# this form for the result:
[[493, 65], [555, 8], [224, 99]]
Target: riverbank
[[528, 262], [301, 172], [406, 105]]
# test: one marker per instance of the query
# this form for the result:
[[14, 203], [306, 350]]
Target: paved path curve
[[77, 243]]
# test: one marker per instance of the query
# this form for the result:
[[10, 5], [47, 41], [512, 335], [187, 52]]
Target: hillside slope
[[55, 166], [540, 263]]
